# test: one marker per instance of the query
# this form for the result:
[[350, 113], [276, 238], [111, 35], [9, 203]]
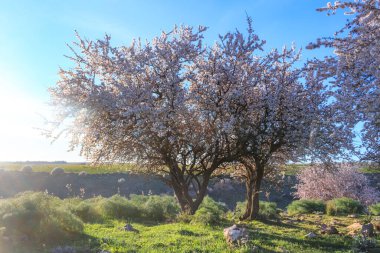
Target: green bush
[[117, 207], [375, 209], [210, 212], [86, 210], [39, 216], [267, 210], [344, 206], [306, 206], [154, 207]]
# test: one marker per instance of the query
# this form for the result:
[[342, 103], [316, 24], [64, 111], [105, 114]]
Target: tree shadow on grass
[[324, 244]]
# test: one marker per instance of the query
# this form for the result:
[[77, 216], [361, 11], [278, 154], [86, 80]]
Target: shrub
[[306, 206], [39, 216], [375, 209], [363, 244], [57, 171], [27, 169], [156, 207], [210, 212], [268, 210], [321, 183], [343, 206], [86, 210], [117, 207]]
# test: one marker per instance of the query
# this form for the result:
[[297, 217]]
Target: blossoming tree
[[354, 68], [133, 104]]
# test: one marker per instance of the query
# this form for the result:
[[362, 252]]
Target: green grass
[[180, 237]]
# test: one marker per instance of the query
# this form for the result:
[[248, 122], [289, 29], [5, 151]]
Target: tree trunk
[[256, 193], [249, 186], [181, 190], [253, 184]]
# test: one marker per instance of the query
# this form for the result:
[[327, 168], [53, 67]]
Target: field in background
[[291, 169], [68, 167]]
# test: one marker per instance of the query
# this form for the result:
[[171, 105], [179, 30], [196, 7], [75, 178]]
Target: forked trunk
[[187, 203]]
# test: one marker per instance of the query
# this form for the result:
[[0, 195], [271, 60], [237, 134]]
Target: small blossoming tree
[[321, 182]]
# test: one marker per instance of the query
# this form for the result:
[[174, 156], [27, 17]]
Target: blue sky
[[34, 34]]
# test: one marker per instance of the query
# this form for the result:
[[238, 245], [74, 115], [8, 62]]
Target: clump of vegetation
[[157, 208], [27, 169], [363, 244], [375, 209], [117, 207], [38, 216], [306, 206], [57, 171], [344, 206], [210, 212], [268, 210]]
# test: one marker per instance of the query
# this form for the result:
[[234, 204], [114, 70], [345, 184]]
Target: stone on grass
[[352, 216], [57, 171], [121, 180], [128, 227], [27, 169], [235, 235], [82, 173], [367, 230], [376, 224], [354, 228], [311, 235]]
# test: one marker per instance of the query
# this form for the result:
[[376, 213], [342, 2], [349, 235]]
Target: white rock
[[235, 234], [311, 235]]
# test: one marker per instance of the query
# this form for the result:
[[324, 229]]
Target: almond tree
[[133, 104], [354, 68], [262, 108], [344, 180]]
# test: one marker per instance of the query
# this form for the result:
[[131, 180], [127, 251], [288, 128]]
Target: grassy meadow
[[38, 223]]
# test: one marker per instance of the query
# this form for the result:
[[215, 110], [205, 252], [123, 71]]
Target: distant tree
[[354, 71], [321, 182], [133, 104]]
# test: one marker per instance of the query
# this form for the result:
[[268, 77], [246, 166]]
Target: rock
[[57, 171], [235, 234], [121, 180], [330, 230], [27, 169], [354, 228], [376, 225], [367, 230], [128, 227], [352, 216], [311, 235], [82, 174]]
